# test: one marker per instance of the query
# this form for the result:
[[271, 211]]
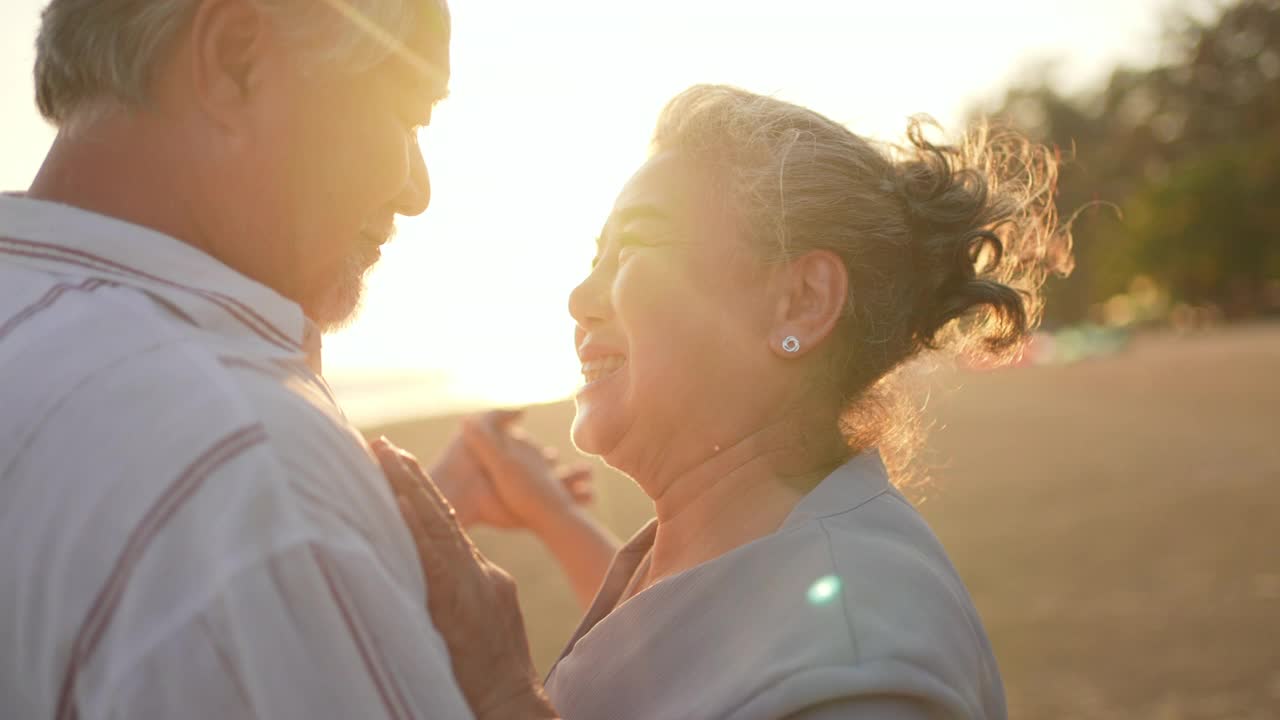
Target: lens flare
[[824, 590]]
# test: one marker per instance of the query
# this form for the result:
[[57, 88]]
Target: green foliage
[[1188, 151], [1209, 233]]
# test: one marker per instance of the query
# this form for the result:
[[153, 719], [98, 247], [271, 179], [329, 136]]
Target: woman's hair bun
[[983, 234]]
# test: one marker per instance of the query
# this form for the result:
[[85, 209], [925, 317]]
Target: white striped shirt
[[190, 528]]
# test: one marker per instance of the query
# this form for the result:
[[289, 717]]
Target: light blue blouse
[[850, 609]]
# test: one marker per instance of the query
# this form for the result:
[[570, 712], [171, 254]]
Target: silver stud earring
[[791, 344]]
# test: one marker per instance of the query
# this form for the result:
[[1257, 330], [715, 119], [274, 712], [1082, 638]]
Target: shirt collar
[[852, 484], [67, 240]]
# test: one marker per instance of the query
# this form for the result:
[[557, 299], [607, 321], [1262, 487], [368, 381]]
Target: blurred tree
[[1210, 232], [1188, 151]]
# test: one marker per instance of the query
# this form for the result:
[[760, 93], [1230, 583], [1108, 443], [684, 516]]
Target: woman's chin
[[581, 435], [588, 432]]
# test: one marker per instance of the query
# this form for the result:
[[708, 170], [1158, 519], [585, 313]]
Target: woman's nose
[[589, 301]]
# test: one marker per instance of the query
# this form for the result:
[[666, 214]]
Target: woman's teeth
[[593, 370]]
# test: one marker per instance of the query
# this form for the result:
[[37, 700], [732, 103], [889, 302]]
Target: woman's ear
[[813, 292]]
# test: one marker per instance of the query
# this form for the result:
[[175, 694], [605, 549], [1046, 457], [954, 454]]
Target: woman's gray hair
[[92, 54], [946, 246]]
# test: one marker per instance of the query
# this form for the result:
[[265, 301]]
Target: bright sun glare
[[551, 108]]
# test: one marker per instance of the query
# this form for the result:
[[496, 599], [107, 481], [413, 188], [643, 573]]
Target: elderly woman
[[755, 289]]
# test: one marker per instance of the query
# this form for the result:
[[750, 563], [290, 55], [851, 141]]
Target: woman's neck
[[738, 494]]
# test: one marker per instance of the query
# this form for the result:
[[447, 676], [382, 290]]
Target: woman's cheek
[[660, 319], [645, 288], [622, 291]]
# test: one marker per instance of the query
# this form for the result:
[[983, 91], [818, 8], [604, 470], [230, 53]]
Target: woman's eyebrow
[[630, 214], [639, 212]]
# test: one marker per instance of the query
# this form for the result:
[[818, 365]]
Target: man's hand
[[472, 601]]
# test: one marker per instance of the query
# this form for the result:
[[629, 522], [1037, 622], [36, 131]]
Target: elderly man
[[190, 527]]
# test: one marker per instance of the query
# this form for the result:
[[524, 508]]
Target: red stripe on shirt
[[368, 650], [170, 501], [246, 315], [45, 302], [281, 335]]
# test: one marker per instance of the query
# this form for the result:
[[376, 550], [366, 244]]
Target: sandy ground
[[1117, 521]]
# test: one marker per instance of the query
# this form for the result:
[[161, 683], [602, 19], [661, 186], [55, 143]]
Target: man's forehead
[[430, 39], [422, 59], [421, 55], [421, 74], [432, 29]]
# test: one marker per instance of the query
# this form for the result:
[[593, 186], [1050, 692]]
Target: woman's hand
[[527, 480], [494, 474], [543, 496]]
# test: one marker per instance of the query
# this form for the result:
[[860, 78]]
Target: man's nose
[[415, 196]]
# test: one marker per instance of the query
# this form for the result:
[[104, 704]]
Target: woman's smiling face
[[672, 321]]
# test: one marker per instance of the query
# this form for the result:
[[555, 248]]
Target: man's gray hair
[[92, 53]]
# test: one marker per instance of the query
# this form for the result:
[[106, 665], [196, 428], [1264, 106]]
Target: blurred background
[[1164, 109], [1113, 502]]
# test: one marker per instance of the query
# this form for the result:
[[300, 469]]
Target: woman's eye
[[624, 245], [632, 240], [627, 246]]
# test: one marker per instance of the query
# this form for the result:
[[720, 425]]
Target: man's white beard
[[341, 304]]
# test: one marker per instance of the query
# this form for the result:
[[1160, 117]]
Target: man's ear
[[813, 292], [229, 42]]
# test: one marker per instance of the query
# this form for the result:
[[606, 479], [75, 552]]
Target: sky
[[551, 109]]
